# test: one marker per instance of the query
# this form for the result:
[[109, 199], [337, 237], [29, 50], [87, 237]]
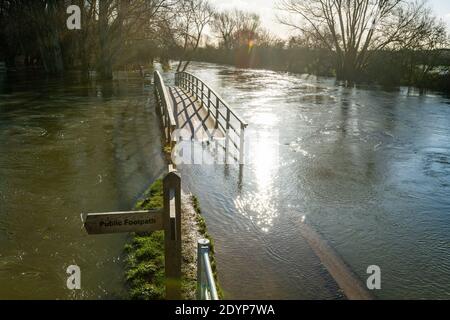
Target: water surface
[[69, 147], [367, 168]]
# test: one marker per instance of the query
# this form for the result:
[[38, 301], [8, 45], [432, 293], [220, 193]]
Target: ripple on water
[[436, 162], [317, 99], [25, 131], [259, 208], [297, 147]]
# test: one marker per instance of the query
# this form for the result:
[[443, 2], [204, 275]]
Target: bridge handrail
[[188, 76], [165, 106]]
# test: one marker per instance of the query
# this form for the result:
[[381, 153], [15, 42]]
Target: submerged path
[[347, 280]]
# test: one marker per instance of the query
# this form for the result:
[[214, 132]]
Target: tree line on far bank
[[390, 42], [422, 69]]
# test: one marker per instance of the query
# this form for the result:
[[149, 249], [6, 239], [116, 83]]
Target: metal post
[[203, 88], [202, 247], [206, 285], [209, 100], [227, 136], [242, 143], [217, 112], [172, 234], [196, 87]]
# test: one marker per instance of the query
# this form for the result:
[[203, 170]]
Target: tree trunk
[[104, 65], [48, 38], [347, 68]]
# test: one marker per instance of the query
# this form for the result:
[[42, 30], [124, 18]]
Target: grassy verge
[[145, 254]]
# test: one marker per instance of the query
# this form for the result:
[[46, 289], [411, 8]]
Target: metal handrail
[[184, 78], [165, 108], [206, 285], [209, 98]]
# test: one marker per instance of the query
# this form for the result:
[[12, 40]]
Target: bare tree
[[238, 28], [193, 17], [225, 25], [118, 23], [355, 29], [248, 26], [423, 45]]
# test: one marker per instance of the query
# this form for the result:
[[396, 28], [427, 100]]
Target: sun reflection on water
[[259, 205]]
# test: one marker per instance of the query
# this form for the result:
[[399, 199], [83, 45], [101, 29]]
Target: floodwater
[[366, 168], [69, 148]]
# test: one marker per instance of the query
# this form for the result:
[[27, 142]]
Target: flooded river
[[69, 148], [367, 168]]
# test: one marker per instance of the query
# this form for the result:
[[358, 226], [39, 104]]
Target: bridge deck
[[194, 121]]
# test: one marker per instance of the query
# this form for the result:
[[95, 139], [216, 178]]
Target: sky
[[266, 9]]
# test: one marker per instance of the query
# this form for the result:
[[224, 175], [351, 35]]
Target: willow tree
[[355, 29]]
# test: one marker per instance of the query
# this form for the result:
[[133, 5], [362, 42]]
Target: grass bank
[[145, 252]]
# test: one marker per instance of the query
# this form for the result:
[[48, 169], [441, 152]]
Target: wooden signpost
[[167, 219], [172, 234], [120, 222]]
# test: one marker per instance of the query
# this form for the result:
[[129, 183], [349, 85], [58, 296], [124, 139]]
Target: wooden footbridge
[[191, 110]]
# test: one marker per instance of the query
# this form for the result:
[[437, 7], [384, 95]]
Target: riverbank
[[145, 252]]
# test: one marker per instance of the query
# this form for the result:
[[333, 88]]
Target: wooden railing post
[[172, 234]]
